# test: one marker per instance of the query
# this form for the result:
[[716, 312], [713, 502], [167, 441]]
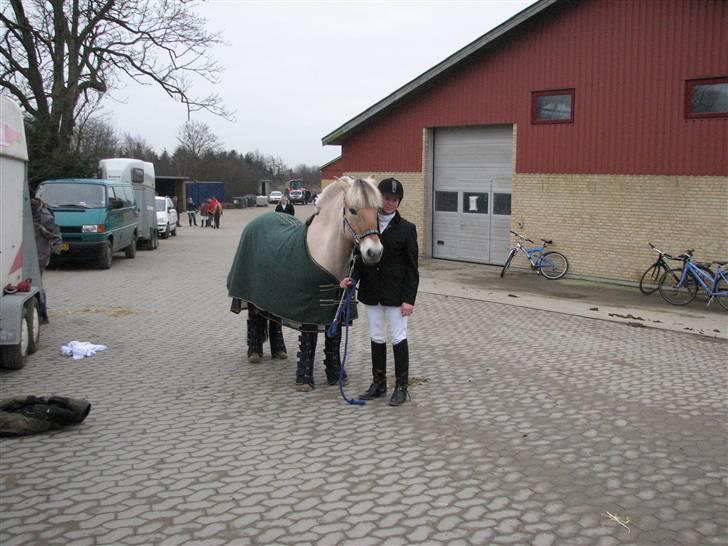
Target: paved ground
[[526, 426]]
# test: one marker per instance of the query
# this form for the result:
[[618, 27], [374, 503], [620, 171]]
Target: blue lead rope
[[331, 332]]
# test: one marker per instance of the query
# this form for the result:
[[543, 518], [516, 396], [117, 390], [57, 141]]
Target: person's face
[[389, 203]]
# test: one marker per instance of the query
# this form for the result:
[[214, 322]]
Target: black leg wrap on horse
[[277, 343], [332, 358], [256, 335], [304, 366], [378, 387], [401, 372]]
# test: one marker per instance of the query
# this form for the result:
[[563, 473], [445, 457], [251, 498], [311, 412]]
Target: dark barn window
[[555, 106], [706, 98]]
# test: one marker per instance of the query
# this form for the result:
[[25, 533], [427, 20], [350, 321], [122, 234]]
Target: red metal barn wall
[[631, 168], [627, 61]]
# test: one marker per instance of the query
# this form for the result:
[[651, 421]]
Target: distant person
[[176, 207], [204, 206], [285, 206], [191, 212], [48, 241], [215, 210]]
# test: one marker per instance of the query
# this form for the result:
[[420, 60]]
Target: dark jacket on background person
[[394, 280], [48, 238], [288, 210]]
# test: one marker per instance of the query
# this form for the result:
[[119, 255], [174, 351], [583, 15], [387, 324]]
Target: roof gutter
[[434, 72]]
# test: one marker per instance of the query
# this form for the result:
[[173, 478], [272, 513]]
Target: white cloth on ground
[[81, 349]]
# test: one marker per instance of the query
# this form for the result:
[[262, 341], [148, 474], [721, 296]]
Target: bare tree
[[196, 141], [58, 57]]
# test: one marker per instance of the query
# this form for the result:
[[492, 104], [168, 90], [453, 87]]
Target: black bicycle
[[650, 278]]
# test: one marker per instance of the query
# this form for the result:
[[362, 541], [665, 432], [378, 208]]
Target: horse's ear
[[371, 179]]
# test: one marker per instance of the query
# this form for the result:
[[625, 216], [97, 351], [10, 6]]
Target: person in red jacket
[[215, 210]]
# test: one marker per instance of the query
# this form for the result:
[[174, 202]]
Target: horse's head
[[361, 201]]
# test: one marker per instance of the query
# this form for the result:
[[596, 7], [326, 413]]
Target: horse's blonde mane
[[359, 193]]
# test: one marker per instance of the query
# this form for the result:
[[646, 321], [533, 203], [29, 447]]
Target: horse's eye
[[352, 211]]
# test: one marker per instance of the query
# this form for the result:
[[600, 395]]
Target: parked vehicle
[[652, 275], [96, 217], [166, 217], [21, 287], [275, 196], [680, 286], [141, 175], [552, 265]]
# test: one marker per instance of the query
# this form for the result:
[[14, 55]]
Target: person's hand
[[407, 309], [346, 282]]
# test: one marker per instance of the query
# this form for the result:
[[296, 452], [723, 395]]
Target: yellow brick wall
[[603, 222]]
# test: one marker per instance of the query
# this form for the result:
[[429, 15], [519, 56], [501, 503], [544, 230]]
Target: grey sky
[[295, 71]]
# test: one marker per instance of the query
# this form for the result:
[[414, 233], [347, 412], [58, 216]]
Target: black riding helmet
[[392, 186]]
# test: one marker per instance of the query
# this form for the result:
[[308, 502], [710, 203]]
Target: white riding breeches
[[378, 316]]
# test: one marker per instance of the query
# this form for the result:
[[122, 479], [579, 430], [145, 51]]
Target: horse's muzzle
[[371, 250]]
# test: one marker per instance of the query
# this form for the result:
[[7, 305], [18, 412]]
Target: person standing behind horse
[[215, 210], [285, 206], [203, 213], [388, 291]]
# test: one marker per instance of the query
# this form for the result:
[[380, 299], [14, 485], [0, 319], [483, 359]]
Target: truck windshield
[[86, 196]]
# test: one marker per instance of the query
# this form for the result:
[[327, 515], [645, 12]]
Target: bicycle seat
[[547, 241], [720, 263]]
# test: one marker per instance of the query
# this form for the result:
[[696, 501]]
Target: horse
[[289, 272]]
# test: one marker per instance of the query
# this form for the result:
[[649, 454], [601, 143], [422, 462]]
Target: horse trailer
[[20, 279]]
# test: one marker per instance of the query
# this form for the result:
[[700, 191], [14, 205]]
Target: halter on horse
[[296, 282]]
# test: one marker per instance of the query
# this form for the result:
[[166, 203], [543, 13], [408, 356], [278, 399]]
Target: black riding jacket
[[394, 280]]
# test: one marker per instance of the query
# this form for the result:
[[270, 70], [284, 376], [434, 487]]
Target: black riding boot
[[277, 343], [304, 367], [401, 372], [378, 387], [256, 335], [332, 358]]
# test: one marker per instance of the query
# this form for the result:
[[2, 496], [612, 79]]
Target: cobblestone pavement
[[525, 426]]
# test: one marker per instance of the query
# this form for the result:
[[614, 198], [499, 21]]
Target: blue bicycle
[[680, 286], [552, 265]]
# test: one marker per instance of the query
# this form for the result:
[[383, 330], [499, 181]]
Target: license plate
[[65, 247]]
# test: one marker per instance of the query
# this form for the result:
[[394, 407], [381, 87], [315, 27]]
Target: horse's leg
[[332, 358], [256, 335], [304, 367], [277, 343]]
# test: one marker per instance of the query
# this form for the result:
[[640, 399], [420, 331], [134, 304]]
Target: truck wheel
[[174, 232], [13, 357], [130, 251], [33, 313], [105, 259], [166, 232]]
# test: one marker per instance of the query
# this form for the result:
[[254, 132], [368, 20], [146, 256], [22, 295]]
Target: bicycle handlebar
[[522, 237]]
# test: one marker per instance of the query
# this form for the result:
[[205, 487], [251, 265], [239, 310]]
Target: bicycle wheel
[[553, 265], [509, 259], [672, 291], [650, 278], [722, 287]]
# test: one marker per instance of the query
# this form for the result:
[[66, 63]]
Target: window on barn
[[446, 201], [706, 98], [555, 106], [476, 203], [502, 203]]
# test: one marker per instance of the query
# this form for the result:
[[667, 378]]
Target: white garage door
[[472, 193]]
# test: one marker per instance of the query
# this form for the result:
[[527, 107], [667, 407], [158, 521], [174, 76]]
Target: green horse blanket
[[274, 271]]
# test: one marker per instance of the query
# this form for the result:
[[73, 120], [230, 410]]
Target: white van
[[141, 175]]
